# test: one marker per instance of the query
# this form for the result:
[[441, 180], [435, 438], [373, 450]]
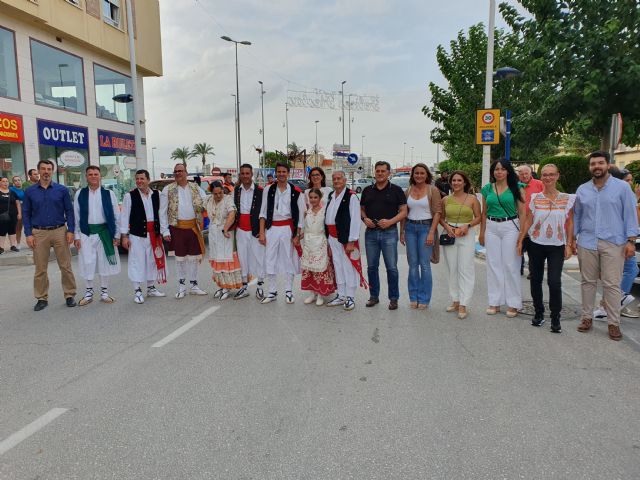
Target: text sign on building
[[488, 127], [11, 128], [115, 142], [62, 135]]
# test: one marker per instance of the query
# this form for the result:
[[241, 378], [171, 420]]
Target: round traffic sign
[[352, 158], [488, 117]]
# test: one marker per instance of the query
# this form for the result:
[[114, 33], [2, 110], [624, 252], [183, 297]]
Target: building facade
[[62, 62]]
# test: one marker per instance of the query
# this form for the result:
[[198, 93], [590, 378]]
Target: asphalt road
[[304, 392]]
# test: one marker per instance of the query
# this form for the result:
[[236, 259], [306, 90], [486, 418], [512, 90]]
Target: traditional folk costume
[[342, 221], [248, 202], [97, 213], [140, 218], [317, 269], [223, 256], [283, 214], [181, 211]]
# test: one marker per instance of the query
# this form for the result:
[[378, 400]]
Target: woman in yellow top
[[461, 214]]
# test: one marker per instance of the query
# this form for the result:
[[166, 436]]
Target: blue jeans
[[385, 242], [419, 258], [628, 275]]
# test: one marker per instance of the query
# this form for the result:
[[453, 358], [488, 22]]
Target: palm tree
[[181, 154], [202, 150]]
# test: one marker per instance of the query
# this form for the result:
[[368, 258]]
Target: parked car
[[402, 181], [359, 184], [301, 184]]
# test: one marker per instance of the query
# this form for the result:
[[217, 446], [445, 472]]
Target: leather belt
[[505, 219], [55, 227]]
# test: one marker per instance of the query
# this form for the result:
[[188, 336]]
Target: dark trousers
[[525, 246], [554, 256]]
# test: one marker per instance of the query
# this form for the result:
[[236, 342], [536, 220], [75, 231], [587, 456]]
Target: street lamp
[[404, 154], [262, 92], [137, 131], [362, 149], [411, 156], [235, 125], [316, 148], [243, 42], [342, 95], [286, 124]]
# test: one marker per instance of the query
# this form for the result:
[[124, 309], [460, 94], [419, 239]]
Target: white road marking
[[192, 323], [13, 440]]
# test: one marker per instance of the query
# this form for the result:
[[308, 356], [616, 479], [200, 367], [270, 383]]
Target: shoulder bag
[[5, 217], [445, 238]]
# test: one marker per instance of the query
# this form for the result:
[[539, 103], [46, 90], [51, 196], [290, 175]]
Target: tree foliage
[[574, 170], [473, 171], [182, 154], [201, 150], [582, 64], [271, 158]]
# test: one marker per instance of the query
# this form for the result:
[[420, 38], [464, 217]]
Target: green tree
[[271, 158], [581, 61], [182, 154], [574, 170], [202, 150], [293, 149]]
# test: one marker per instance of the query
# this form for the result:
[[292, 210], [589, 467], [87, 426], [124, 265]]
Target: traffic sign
[[352, 158], [350, 169], [488, 127]]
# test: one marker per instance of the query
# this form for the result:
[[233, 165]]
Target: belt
[[55, 227], [333, 231], [282, 223], [505, 219], [420, 222], [244, 222]]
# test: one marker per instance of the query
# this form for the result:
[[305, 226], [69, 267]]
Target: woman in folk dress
[[318, 275], [223, 255]]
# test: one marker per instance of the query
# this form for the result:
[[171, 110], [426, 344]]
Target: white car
[[359, 184]]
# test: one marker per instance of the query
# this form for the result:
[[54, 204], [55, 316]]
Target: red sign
[[114, 142], [11, 128]]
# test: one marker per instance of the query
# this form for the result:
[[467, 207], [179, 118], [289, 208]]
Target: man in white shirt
[[140, 233], [97, 238], [181, 209], [342, 219], [281, 220], [247, 197]]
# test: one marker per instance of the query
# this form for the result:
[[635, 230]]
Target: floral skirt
[[224, 261], [322, 283]]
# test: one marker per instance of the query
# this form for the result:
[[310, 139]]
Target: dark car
[[301, 184]]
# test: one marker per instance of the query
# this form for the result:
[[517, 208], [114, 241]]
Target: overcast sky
[[380, 47]]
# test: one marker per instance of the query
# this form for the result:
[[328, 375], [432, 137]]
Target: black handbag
[[5, 217], [445, 238]]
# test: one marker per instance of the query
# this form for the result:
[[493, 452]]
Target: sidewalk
[[571, 289], [24, 256]]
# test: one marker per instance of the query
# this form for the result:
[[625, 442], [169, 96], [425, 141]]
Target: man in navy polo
[[48, 220]]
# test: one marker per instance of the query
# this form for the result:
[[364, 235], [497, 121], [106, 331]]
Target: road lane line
[[192, 323], [13, 440]]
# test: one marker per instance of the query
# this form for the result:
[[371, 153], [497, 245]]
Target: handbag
[[445, 238], [5, 217]]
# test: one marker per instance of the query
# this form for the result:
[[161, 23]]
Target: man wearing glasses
[[181, 208]]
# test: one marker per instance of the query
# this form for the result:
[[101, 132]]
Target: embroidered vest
[[254, 211], [174, 198], [271, 202], [138, 217], [107, 210], [343, 217]]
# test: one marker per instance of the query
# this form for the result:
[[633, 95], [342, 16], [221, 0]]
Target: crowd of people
[[274, 233]]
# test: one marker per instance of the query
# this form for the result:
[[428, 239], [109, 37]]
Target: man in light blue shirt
[[605, 226]]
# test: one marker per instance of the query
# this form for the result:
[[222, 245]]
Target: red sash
[[244, 222], [354, 256], [282, 223], [158, 252]]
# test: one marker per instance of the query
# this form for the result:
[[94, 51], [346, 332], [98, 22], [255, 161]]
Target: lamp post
[[262, 92], [342, 102], [349, 104], [235, 126], [137, 131], [286, 124], [362, 149], [404, 154], [316, 147], [243, 42], [153, 162], [411, 156], [488, 86]]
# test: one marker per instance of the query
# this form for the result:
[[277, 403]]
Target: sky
[[382, 48]]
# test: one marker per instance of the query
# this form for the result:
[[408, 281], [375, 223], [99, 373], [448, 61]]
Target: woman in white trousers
[[461, 213], [503, 211]]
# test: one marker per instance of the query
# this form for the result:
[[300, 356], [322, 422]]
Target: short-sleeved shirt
[[549, 218], [382, 203], [500, 208], [534, 186]]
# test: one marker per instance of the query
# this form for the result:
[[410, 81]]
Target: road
[[303, 392]]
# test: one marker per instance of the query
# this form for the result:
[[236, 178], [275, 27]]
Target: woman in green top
[[503, 210], [461, 214]]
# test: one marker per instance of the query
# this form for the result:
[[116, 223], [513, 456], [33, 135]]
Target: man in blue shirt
[[605, 226], [48, 222]]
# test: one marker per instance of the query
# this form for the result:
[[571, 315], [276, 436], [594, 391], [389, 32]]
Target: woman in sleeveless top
[[318, 275], [461, 215]]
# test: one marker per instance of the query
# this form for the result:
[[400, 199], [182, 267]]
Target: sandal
[[88, 297]]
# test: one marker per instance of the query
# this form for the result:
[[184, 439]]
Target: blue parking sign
[[487, 135]]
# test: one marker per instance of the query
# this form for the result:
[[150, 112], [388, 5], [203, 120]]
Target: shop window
[[108, 84], [58, 78], [117, 161], [8, 67], [111, 12], [12, 160], [70, 164]]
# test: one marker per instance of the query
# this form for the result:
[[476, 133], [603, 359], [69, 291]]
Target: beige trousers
[[45, 239], [606, 264]]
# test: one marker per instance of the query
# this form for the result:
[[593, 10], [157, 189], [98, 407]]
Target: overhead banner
[[11, 128], [114, 142], [62, 135]]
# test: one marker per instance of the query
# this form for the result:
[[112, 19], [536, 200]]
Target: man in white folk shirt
[[97, 238], [181, 208], [342, 220], [281, 220], [140, 232], [247, 197]]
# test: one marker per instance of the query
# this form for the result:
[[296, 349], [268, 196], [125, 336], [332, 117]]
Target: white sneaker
[[288, 297], [310, 299], [137, 297], [626, 300], [182, 292], [319, 301], [599, 313], [336, 301], [152, 291], [242, 293], [225, 294], [270, 297], [196, 290]]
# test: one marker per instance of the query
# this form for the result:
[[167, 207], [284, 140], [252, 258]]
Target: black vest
[[138, 217], [254, 211], [343, 217], [271, 202]]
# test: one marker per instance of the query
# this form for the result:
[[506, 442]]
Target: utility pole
[[153, 163], [286, 123], [488, 86], [235, 124], [262, 92], [342, 96], [349, 102], [137, 131]]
